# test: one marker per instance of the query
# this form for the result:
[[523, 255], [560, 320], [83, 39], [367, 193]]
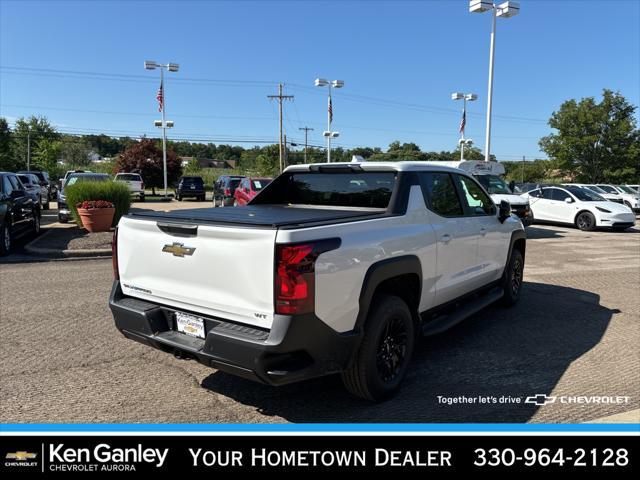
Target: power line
[[239, 117], [257, 83]]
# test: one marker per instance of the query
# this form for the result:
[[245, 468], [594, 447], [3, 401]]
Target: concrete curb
[[49, 252]]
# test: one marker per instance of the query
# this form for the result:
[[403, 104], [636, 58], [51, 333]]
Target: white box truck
[[491, 177]]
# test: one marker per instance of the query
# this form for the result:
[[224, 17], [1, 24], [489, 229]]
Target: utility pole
[[280, 98], [306, 131], [523, 169], [284, 164], [29, 149]]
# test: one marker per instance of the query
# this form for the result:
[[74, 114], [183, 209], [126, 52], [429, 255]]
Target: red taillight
[[114, 255], [227, 191], [141, 185], [295, 278]]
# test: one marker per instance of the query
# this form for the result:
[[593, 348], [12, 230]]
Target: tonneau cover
[[259, 215]]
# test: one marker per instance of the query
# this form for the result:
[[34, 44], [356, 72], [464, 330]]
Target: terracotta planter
[[97, 219]]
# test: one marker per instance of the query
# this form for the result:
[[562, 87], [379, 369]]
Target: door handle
[[446, 238]]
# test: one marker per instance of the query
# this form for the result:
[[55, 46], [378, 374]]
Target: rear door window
[[442, 196], [547, 193]]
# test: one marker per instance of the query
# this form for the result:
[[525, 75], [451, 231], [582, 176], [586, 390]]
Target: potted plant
[[96, 215]]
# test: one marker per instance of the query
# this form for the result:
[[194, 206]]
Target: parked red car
[[249, 188]]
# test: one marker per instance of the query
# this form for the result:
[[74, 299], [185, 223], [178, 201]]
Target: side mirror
[[504, 211], [568, 200]]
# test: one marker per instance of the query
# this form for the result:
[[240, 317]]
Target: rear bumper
[[296, 348], [190, 193]]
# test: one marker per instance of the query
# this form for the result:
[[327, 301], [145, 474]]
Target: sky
[[80, 64]]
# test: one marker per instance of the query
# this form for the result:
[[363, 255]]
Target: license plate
[[192, 187], [190, 324]]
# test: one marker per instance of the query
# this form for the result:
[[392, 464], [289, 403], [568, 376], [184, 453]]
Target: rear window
[[192, 180], [24, 179], [86, 178], [260, 183], [128, 177], [339, 189]]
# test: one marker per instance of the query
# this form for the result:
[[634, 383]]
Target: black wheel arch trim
[[380, 272], [515, 236]]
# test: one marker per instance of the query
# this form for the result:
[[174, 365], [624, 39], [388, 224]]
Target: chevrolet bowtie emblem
[[21, 456], [178, 249]]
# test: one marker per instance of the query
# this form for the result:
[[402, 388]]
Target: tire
[[179, 198], [203, 197], [46, 205], [63, 219], [142, 197], [382, 359], [235, 203], [5, 239], [35, 230], [586, 222], [512, 279]]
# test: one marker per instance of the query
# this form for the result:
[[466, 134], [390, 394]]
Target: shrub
[[114, 192]]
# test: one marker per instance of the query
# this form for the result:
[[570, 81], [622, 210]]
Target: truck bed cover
[[271, 216]]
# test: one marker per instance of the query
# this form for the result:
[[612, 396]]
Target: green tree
[[145, 158], [75, 150], [7, 160], [268, 162], [595, 141], [31, 131], [46, 155]]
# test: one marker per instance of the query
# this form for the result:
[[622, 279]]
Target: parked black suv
[[224, 190], [190, 186], [18, 212]]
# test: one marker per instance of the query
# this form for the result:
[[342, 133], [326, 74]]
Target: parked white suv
[[579, 206], [332, 268], [134, 182]]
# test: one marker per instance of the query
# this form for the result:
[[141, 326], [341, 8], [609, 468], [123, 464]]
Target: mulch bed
[[75, 238]]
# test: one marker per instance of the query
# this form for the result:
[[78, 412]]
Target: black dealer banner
[[53, 456]]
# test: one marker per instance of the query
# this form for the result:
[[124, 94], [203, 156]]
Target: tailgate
[[221, 271]]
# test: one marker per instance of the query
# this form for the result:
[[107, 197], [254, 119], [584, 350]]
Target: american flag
[[463, 122], [330, 111], [160, 97]]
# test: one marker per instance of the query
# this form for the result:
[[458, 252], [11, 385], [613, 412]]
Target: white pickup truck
[[332, 268], [133, 181]]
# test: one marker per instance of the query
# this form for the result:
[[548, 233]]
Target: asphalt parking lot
[[574, 333]]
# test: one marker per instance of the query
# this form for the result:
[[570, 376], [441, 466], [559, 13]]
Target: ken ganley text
[[262, 457]]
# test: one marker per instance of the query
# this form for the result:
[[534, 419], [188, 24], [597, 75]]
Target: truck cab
[[491, 176]]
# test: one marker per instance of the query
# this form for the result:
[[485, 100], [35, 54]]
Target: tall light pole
[[321, 82], [306, 133], [505, 10], [171, 67], [465, 97]]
